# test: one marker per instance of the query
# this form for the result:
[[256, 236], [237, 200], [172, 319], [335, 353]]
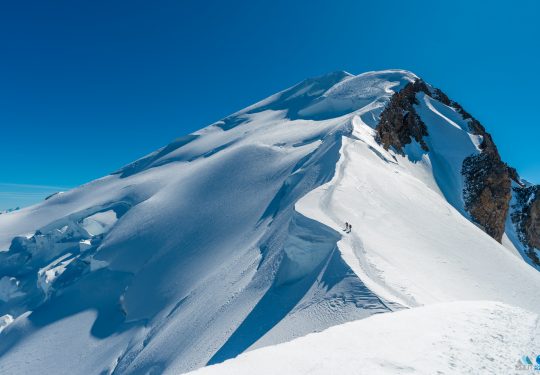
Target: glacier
[[231, 239]]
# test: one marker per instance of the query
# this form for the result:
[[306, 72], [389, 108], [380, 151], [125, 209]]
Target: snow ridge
[[453, 338], [237, 229]]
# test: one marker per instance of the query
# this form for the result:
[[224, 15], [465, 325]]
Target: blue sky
[[88, 86]]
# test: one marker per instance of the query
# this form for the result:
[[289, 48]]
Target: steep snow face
[[202, 231], [450, 338], [408, 243], [450, 142], [231, 238]]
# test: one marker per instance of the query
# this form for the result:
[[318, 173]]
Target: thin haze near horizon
[[89, 86]]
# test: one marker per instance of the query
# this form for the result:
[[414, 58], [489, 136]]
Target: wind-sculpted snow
[[231, 238], [409, 244], [209, 236], [453, 338]]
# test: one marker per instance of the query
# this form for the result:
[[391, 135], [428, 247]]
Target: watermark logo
[[528, 363]]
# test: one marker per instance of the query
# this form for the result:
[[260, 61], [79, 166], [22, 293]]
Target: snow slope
[[449, 338], [229, 239], [410, 244]]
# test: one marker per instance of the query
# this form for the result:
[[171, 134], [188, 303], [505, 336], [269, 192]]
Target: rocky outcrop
[[487, 185], [514, 176], [532, 225], [487, 179], [487, 192], [399, 123], [526, 218]]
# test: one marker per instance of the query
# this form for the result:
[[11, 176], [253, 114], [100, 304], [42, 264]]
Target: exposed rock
[[475, 126], [514, 175], [526, 218], [487, 185], [399, 123], [487, 192], [443, 98], [532, 226]]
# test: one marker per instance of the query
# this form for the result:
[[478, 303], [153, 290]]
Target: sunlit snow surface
[[230, 239], [451, 338]]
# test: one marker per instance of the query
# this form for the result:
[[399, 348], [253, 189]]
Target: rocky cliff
[[487, 179], [487, 192], [526, 218], [400, 123]]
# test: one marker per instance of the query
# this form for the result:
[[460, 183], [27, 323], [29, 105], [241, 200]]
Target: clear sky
[[87, 86]]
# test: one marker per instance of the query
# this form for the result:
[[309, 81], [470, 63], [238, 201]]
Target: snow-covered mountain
[[231, 238], [449, 338]]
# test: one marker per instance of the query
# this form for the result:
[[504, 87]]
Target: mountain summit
[[232, 238]]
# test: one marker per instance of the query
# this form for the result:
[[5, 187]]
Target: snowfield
[[231, 239], [450, 338], [409, 244]]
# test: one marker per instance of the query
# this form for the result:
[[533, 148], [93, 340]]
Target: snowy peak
[[325, 97], [486, 192], [239, 230], [331, 95]]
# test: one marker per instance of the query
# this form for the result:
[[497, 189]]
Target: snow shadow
[[146, 161], [311, 262], [310, 172], [309, 269]]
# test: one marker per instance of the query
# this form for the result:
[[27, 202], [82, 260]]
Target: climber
[[350, 228], [346, 227]]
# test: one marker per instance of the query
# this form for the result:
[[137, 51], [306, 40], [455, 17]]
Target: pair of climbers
[[348, 228]]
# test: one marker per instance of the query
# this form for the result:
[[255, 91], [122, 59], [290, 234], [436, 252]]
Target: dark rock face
[[487, 179], [514, 175], [532, 226], [487, 192], [399, 122], [526, 218]]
